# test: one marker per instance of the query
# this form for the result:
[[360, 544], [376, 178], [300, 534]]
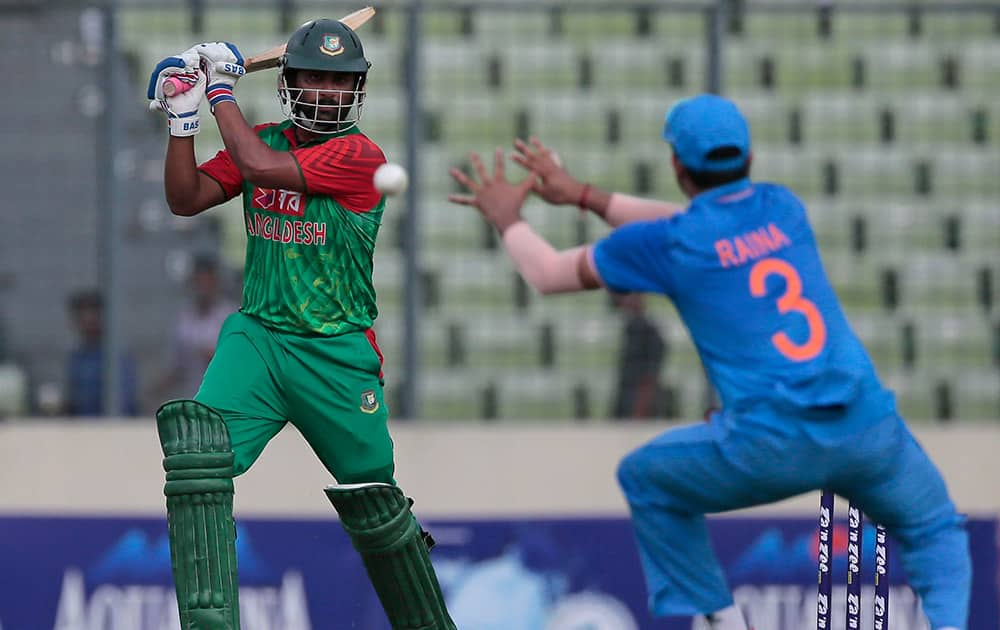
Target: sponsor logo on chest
[[288, 202]]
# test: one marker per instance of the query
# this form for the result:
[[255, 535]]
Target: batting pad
[[394, 551], [199, 465]]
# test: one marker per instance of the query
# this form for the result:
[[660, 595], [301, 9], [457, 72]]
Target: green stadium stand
[[886, 124]]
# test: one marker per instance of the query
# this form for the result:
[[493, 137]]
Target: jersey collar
[[733, 191], [293, 142]]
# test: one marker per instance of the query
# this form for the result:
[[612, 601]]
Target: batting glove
[[223, 64], [182, 108]]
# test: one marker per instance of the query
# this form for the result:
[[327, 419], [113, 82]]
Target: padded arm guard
[[394, 550]]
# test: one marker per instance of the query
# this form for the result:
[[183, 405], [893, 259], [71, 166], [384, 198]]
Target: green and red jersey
[[309, 255]]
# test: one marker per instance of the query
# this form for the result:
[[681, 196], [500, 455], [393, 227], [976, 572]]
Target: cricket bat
[[270, 57]]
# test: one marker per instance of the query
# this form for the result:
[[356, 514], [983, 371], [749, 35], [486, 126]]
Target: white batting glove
[[181, 109], [223, 64]]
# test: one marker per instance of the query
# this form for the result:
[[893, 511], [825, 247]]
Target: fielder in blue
[[802, 406]]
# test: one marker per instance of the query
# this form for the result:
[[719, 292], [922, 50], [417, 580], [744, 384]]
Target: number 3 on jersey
[[790, 301]]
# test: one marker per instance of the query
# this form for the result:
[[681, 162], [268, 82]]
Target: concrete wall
[[452, 470]]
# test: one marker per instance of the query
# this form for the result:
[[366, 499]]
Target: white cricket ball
[[391, 179]]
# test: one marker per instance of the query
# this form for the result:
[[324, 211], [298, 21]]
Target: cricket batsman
[[301, 348], [803, 408]]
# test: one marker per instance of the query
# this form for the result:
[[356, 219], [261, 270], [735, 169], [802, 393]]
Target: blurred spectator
[[13, 380], [639, 392], [85, 383], [196, 332]]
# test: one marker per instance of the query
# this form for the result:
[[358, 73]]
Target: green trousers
[[329, 388]]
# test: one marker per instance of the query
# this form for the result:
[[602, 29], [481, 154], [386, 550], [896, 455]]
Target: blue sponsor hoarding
[[539, 574]]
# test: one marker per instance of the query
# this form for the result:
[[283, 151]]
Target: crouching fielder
[[802, 406], [301, 349]]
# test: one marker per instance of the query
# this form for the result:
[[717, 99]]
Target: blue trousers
[[733, 462]]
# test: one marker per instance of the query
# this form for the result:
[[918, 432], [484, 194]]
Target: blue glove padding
[[182, 66], [181, 109]]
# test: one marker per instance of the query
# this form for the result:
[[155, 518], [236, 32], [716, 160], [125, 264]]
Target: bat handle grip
[[173, 86]]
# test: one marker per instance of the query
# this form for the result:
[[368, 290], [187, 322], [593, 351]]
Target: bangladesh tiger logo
[[369, 402], [331, 45]]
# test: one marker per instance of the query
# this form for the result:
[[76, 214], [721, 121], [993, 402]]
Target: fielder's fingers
[[524, 149], [464, 200], [464, 179], [541, 148], [477, 164], [498, 170]]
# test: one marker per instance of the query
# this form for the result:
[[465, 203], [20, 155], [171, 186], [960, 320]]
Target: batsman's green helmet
[[327, 45]]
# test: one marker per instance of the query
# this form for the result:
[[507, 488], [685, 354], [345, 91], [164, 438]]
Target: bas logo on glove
[[187, 127]]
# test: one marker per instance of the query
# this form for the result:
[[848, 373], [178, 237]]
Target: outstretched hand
[[555, 185], [498, 200]]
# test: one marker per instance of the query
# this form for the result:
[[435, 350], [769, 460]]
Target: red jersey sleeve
[[222, 169], [343, 168]]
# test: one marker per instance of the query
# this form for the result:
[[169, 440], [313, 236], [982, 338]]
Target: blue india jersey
[[743, 269]]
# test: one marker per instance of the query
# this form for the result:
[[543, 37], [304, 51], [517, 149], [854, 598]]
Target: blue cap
[[696, 126]]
